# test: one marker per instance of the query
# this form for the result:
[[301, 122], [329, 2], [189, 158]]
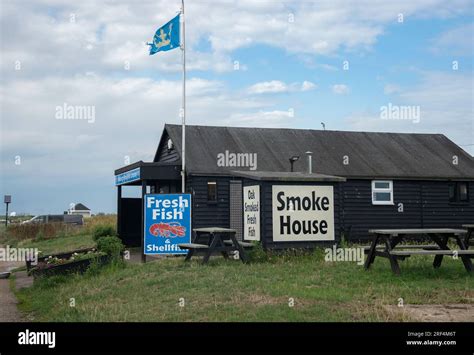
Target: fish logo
[[167, 230]]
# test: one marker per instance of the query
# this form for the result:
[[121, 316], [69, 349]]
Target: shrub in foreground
[[103, 231], [111, 246], [257, 254]]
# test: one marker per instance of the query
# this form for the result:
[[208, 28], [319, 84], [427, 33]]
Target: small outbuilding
[[79, 209], [299, 188]]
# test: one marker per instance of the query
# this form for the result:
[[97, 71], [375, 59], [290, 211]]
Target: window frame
[[212, 182], [460, 183], [374, 190], [456, 198]]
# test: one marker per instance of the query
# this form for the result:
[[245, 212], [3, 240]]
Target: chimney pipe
[[310, 162]]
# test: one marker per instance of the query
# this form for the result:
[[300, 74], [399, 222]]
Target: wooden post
[[119, 210], [143, 222]]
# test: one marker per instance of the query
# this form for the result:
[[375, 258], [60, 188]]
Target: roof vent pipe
[[310, 162]]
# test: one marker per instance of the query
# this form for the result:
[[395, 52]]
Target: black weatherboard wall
[[420, 166], [354, 212], [206, 213], [425, 205], [437, 212]]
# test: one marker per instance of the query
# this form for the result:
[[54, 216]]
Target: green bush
[[103, 231], [110, 245], [257, 254]]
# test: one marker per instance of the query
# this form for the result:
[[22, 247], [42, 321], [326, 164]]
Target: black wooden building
[[379, 180]]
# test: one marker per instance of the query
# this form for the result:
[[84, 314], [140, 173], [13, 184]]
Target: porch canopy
[[153, 178], [135, 173]]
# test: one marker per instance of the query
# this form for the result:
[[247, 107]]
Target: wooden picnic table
[[393, 237], [214, 239], [470, 231]]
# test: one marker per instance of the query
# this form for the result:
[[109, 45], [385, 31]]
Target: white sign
[[252, 212], [302, 213]]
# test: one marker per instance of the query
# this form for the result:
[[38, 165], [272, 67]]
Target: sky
[[257, 63]]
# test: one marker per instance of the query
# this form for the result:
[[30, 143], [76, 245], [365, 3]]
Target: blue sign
[[128, 176], [167, 223]]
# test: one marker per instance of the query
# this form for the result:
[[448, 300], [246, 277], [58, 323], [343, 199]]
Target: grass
[[231, 291], [57, 245], [65, 238], [280, 288]]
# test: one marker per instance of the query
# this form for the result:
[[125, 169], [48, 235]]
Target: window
[[382, 192], [458, 192], [54, 218], [463, 196], [212, 191]]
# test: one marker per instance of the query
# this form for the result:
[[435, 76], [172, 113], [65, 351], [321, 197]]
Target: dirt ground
[[436, 312], [8, 302]]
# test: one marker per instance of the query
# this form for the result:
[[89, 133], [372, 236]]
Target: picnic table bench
[[392, 250], [215, 239]]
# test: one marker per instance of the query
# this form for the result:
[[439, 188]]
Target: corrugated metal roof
[[368, 154]]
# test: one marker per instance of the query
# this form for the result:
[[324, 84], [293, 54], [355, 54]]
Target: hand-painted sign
[[251, 212], [167, 223], [128, 176], [302, 213]]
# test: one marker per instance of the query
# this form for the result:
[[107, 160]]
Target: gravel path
[[8, 302], [8, 310]]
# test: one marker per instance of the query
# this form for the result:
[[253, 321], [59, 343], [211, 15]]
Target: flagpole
[[183, 137]]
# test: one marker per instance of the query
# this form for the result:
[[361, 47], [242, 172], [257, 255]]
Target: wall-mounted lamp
[[292, 160]]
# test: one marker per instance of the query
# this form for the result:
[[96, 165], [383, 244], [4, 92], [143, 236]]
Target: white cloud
[[277, 86], [106, 34], [307, 86], [129, 115], [456, 41], [310, 62], [272, 87], [275, 118], [340, 89], [316, 28], [445, 101]]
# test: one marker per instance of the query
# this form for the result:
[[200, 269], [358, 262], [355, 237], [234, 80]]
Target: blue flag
[[167, 37]]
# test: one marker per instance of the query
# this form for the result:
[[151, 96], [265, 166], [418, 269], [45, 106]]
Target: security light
[[292, 160]]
